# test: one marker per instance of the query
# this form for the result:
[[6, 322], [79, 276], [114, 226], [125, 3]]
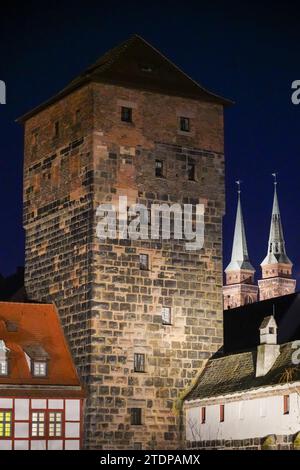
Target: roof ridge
[[184, 85], [25, 303]]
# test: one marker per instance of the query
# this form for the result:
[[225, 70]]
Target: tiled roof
[[236, 373], [137, 64], [37, 330]]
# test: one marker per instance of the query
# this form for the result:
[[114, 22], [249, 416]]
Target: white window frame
[[38, 425], [3, 367], [39, 368], [55, 424]]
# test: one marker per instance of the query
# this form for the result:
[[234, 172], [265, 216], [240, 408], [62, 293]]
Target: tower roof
[[239, 257], [276, 246], [137, 64]]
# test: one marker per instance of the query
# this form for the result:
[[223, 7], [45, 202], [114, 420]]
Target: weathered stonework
[[288, 442], [240, 289], [276, 281], [110, 308]]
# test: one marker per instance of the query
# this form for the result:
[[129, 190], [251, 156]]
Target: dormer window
[[39, 368], [37, 359], [3, 367], [3, 359]]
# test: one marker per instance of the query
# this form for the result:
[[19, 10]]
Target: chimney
[[268, 350]]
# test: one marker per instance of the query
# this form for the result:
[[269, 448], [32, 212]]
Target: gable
[[137, 64]]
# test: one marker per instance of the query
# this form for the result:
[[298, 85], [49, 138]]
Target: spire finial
[[274, 310], [275, 178], [239, 182]]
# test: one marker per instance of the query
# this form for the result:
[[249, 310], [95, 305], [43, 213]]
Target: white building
[[41, 398], [248, 399]]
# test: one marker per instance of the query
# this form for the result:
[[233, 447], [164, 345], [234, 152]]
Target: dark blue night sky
[[246, 51]]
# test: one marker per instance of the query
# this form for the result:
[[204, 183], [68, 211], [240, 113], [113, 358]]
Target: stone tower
[[276, 267], [240, 288], [141, 317]]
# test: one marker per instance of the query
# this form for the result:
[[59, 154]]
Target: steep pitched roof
[[239, 257], [137, 64], [267, 321], [236, 373], [276, 246], [37, 331]]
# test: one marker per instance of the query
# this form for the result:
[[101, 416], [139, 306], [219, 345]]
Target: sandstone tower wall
[[110, 308]]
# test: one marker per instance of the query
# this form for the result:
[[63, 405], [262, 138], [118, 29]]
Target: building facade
[[248, 400], [41, 398], [141, 316]]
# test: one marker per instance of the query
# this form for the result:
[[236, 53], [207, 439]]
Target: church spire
[[276, 267], [240, 288], [276, 246], [239, 257]]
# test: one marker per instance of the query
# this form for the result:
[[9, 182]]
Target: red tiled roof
[[37, 325]]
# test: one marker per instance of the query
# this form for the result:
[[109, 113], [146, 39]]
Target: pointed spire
[[239, 257], [276, 246]]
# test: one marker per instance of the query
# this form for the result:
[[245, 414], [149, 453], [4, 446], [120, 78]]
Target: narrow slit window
[[77, 116], [203, 414], [159, 168], [139, 362], [191, 171], [222, 413], [136, 416], [56, 129], [286, 404], [144, 262]]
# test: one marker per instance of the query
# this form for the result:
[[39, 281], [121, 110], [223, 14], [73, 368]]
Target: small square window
[[126, 114], [271, 330], [39, 369], [184, 124], [136, 416], [3, 367], [144, 262], [139, 362], [191, 171], [166, 317], [159, 168]]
